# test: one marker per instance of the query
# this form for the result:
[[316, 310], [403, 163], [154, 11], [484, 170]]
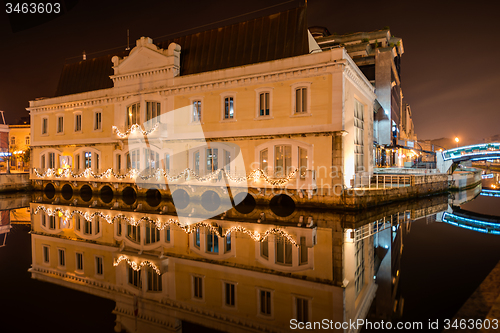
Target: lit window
[[97, 121], [301, 100], [197, 238], [212, 242], [134, 233], [52, 160], [264, 249], [283, 160], [60, 124], [133, 114], [196, 111], [264, 104], [166, 162], [302, 162], [87, 160], [263, 159], [52, 222], [228, 108], [227, 161], [134, 159], [78, 122], [212, 159]]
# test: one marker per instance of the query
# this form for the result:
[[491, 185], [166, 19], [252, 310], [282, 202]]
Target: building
[[4, 144], [286, 104], [19, 147], [378, 55]]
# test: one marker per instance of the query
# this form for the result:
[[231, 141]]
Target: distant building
[[493, 138], [4, 144], [378, 55], [19, 144]]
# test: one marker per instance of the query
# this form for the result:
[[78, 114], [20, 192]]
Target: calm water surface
[[435, 266]]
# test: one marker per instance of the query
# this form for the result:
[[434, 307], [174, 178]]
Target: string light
[[137, 267], [134, 129], [187, 174], [161, 225]]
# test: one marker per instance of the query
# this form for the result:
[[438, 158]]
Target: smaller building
[[19, 146], [4, 143]]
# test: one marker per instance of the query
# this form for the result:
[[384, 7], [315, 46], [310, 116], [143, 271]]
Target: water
[[424, 269]]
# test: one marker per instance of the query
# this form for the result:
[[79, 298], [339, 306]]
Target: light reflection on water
[[213, 279]]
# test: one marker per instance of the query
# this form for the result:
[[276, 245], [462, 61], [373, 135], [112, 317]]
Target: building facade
[[293, 112], [19, 145]]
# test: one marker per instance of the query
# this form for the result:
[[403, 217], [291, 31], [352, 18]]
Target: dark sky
[[449, 70]]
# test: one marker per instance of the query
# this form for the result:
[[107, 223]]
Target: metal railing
[[381, 181]]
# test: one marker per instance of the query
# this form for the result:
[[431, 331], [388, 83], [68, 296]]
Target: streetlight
[[456, 140]]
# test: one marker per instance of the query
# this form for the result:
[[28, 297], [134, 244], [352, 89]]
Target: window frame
[[223, 105], [59, 131], [61, 254], [224, 294], [77, 114], [192, 100], [27, 140], [258, 92], [129, 118], [294, 87], [259, 303], [12, 141], [45, 126], [296, 299], [98, 258], [193, 292], [46, 258], [77, 269], [97, 125]]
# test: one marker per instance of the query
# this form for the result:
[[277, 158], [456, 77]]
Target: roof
[[268, 38]]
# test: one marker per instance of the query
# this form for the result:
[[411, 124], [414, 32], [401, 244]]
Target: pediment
[[146, 57]]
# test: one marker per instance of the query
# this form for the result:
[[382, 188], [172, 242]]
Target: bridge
[[479, 152]]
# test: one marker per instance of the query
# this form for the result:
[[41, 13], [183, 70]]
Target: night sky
[[449, 70]]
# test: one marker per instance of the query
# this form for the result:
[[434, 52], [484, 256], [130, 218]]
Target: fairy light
[[187, 174], [161, 225], [135, 128], [137, 267]]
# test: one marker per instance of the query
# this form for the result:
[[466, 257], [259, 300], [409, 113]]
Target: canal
[[67, 263]]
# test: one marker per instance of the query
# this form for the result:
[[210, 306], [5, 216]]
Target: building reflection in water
[[250, 269]]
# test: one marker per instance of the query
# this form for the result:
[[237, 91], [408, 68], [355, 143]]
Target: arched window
[[281, 157], [87, 158]]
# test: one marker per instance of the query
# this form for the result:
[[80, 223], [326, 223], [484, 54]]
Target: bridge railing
[[381, 181]]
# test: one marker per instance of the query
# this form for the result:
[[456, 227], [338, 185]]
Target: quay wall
[[10, 182], [465, 178]]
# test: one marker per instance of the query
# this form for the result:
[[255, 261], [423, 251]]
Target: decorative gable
[[147, 65]]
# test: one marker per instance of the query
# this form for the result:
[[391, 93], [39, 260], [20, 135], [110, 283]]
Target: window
[[78, 122], [301, 100], [230, 297], [62, 257], [212, 159], [87, 161], [264, 248], [134, 159], [212, 242], [134, 233], [152, 159], [13, 140], [45, 125], [227, 161], [283, 251], [166, 162], [197, 238], [119, 227], [97, 121], [302, 162], [42, 162], [358, 136], [197, 287], [303, 252], [154, 280], [196, 111], [228, 242], [52, 222], [44, 220], [153, 112], [152, 233], [197, 163], [263, 159], [265, 302], [52, 160], [264, 104], [167, 233], [228, 108], [46, 254], [118, 162], [283, 160], [134, 277], [98, 266], [79, 261], [302, 309], [27, 141], [133, 114], [360, 267], [60, 124]]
